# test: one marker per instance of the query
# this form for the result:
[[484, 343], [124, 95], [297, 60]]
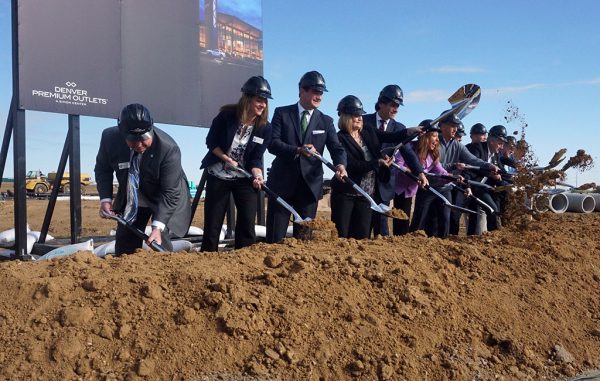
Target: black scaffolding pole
[[20, 167], [75, 178]]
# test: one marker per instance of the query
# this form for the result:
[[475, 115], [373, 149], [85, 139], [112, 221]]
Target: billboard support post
[[6, 142], [55, 188], [199, 190], [18, 123], [75, 178]]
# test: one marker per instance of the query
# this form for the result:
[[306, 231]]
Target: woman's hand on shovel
[[340, 172]]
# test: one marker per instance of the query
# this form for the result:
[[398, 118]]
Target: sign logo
[[70, 94]]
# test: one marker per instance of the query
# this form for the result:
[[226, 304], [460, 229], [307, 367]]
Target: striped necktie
[[132, 188]]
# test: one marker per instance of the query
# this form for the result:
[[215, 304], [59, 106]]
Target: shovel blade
[[381, 208], [301, 220]]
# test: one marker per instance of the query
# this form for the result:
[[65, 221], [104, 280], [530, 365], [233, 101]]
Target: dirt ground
[[509, 305]]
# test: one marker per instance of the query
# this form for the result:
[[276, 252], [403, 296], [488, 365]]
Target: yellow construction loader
[[37, 183]]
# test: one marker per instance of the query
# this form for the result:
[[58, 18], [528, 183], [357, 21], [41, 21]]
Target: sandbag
[[194, 230], [6, 253], [260, 231], [223, 232], [181, 245], [68, 250], [36, 234], [7, 237], [31, 240], [106, 249]]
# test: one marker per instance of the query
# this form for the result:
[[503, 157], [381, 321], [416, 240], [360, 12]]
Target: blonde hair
[[242, 110], [345, 123]]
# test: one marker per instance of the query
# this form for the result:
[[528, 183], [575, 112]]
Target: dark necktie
[[382, 125], [304, 121], [132, 188]]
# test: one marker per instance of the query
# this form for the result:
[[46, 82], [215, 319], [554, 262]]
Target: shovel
[[297, 218], [446, 202], [461, 189], [379, 208], [138, 233], [463, 101], [477, 200], [470, 182], [477, 168]]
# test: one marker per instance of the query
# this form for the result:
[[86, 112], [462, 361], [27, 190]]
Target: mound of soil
[[510, 305]]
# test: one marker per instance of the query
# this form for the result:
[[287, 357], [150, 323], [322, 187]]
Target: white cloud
[[592, 81], [513, 89], [457, 69], [535, 86]]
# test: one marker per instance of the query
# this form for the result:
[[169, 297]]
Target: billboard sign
[[182, 59]]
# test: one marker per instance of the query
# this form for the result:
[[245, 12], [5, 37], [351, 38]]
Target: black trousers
[[278, 217], [430, 214], [127, 242], [379, 222], [492, 218], [215, 206], [400, 227], [458, 198], [352, 215]]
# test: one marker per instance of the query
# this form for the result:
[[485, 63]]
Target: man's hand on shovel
[[154, 237], [106, 209], [306, 150]]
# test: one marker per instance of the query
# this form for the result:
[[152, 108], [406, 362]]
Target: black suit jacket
[[288, 167], [358, 166], [162, 180], [480, 150], [221, 134], [386, 188]]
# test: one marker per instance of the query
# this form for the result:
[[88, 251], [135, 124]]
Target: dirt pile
[[508, 305]]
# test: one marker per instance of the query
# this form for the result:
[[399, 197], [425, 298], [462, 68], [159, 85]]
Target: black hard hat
[[313, 80], [478, 128], [257, 85], [350, 105], [511, 140], [393, 93], [461, 130], [499, 132], [426, 124], [452, 118], [135, 122]]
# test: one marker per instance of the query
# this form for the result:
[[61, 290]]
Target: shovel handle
[[138, 233], [348, 180], [273, 195], [333, 168]]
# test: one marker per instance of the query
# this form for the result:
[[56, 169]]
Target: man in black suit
[[295, 175], [138, 152], [488, 151], [390, 99]]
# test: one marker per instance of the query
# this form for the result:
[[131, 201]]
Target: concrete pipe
[[580, 203], [558, 203], [539, 202], [596, 197]]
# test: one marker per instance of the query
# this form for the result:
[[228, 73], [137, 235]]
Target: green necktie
[[304, 121]]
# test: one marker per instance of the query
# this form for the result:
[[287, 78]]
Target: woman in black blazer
[[238, 136], [350, 211]]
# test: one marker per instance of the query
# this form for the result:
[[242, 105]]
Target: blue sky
[[543, 57]]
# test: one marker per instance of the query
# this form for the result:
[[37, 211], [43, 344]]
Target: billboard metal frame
[[16, 126]]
